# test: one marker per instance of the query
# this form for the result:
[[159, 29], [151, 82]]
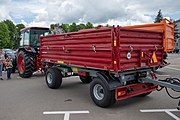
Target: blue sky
[[113, 12]]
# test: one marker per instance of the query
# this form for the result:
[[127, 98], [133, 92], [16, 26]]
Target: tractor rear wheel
[[25, 64]]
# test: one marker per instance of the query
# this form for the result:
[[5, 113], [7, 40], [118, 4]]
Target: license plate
[[74, 69]]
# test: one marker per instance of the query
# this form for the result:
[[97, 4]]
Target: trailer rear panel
[[111, 48]]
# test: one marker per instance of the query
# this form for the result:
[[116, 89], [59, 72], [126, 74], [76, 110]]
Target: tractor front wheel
[[25, 64]]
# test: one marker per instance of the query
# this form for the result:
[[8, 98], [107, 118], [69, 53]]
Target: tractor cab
[[28, 53], [31, 36]]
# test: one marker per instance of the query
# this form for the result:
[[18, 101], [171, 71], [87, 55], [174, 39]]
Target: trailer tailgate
[[139, 48]]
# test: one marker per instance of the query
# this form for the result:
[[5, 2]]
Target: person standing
[[5, 55], [1, 64], [9, 66]]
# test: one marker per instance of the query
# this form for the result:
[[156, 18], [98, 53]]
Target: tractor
[[28, 60]]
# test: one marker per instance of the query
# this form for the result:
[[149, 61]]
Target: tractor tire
[[14, 66], [100, 93], [53, 78], [25, 64], [85, 79]]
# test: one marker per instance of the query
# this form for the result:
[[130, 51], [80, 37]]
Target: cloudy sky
[[113, 12]]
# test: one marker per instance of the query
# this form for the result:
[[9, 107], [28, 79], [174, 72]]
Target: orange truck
[[167, 27]]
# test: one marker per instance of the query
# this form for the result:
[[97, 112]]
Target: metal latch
[[94, 48]]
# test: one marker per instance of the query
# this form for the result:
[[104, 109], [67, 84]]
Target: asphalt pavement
[[31, 99]]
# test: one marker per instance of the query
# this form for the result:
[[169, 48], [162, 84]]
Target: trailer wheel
[[53, 78], [25, 64], [85, 79], [100, 94]]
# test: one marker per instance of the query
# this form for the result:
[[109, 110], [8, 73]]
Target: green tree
[[81, 26], [73, 27], [18, 29], [65, 27], [107, 25], [18, 34], [4, 36], [51, 27], [89, 25], [12, 32], [159, 17]]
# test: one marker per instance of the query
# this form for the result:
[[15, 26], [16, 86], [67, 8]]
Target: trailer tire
[[100, 93], [25, 64], [85, 79], [53, 78]]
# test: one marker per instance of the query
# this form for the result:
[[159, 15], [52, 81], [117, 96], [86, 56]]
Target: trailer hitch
[[173, 83]]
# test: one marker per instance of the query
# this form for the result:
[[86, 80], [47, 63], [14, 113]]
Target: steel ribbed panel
[[136, 41], [105, 48], [89, 49]]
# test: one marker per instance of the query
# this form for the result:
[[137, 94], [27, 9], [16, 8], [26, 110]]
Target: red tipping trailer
[[113, 49], [113, 59]]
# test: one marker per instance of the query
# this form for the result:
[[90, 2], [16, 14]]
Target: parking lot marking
[[172, 115], [66, 113], [173, 68], [168, 111]]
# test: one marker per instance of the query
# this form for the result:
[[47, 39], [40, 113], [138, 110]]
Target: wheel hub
[[21, 64], [49, 78], [98, 92]]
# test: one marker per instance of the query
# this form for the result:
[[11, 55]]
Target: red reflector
[[121, 93]]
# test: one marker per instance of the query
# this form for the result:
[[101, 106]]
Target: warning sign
[[154, 58]]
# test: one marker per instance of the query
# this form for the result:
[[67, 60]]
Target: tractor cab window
[[21, 39], [26, 37], [35, 36]]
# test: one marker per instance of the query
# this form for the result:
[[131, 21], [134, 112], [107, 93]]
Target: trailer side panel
[[92, 48]]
